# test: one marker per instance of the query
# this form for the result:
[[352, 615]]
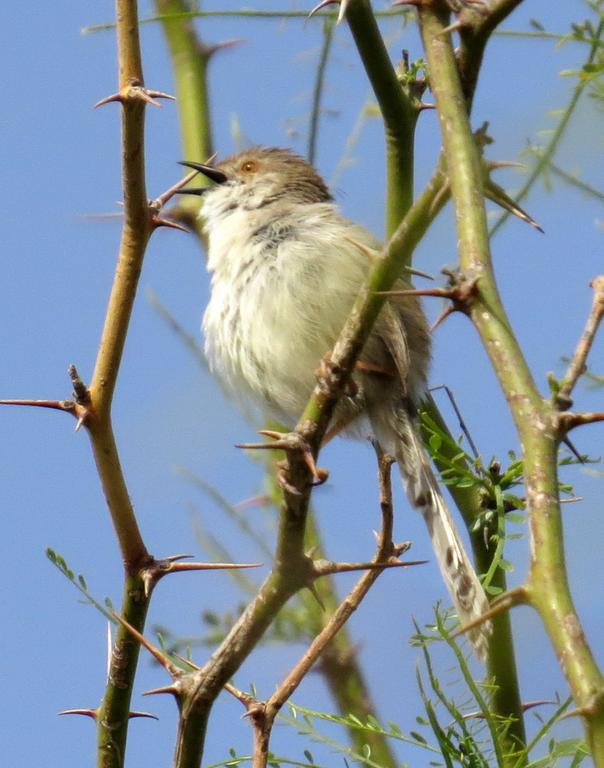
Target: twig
[[315, 112], [263, 714], [578, 363], [550, 150]]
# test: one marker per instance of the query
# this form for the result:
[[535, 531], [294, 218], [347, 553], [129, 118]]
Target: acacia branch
[[137, 227], [547, 586], [263, 714], [399, 111]]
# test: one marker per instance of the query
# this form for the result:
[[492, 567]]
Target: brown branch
[[263, 714], [577, 365]]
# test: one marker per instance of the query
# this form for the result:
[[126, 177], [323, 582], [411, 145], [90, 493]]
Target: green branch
[[398, 111], [536, 422]]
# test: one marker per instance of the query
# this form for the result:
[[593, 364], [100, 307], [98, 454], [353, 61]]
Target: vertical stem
[[535, 419], [398, 113], [501, 658], [190, 60], [112, 720]]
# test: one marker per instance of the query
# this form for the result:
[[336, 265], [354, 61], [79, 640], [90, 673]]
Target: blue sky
[[61, 166]]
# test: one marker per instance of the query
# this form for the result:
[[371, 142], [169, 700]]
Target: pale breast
[[281, 292]]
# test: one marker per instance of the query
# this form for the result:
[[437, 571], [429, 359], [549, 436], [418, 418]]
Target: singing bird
[[286, 269]]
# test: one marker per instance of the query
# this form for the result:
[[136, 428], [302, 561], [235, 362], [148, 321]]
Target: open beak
[[214, 174]]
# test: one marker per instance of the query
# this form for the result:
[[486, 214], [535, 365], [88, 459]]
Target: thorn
[[573, 450], [58, 405], [159, 202], [174, 558], [494, 165], [145, 96], [321, 5], [569, 420], [149, 96], [108, 99], [223, 46], [571, 500], [152, 573], [93, 713], [173, 689], [343, 9], [499, 196], [313, 591], [442, 317], [326, 568], [454, 27], [160, 95], [418, 273], [142, 714], [426, 105], [136, 92], [417, 3], [171, 668], [80, 423], [157, 222], [372, 253], [442, 293]]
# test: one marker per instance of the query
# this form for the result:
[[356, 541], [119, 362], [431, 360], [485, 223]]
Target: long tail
[[424, 494]]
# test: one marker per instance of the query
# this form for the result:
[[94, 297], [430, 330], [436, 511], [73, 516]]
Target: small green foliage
[[79, 582], [460, 728]]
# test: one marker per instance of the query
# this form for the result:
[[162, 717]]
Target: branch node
[[460, 291], [295, 446]]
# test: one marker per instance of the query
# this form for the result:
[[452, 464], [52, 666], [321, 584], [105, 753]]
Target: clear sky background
[[60, 164]]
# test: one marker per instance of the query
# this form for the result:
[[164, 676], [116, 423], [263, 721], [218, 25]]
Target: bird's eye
[[249, 166]]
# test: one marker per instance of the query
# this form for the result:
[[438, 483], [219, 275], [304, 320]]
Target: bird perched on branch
[[286, 269]]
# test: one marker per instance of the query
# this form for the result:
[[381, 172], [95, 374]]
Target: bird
[[286, 267]]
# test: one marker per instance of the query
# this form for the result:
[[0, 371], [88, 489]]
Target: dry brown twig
[[262, 714], [578, 362]]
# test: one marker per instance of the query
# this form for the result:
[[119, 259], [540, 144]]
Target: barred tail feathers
[[424, 494]]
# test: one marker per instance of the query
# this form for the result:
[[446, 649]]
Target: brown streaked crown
[[296, 178]]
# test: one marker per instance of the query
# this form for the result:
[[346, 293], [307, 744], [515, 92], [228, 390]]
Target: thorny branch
[[263, 713]]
